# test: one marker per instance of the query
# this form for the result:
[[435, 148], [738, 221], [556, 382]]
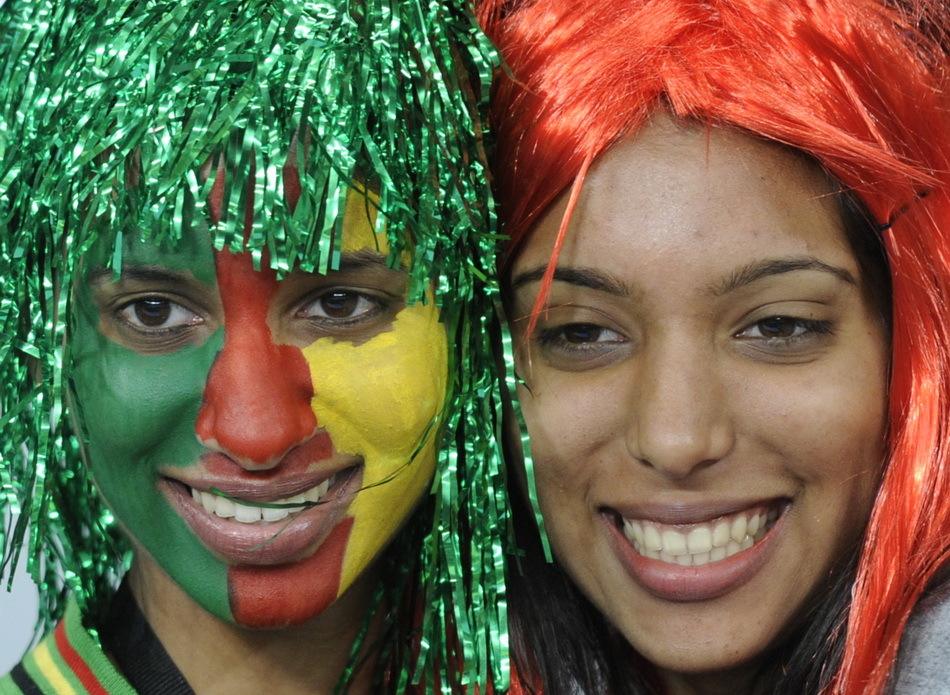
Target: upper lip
[[255, 487], [674, 513]]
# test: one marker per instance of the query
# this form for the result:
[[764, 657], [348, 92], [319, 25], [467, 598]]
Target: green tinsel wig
[[386, 92]]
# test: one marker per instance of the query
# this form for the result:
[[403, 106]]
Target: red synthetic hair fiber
[[861, 86]]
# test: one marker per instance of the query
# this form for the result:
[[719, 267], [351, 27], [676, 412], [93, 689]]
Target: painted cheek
[[137, 413], [378, 400], [256, 401]]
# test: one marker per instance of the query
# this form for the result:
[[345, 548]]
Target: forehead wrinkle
[[757, 270]]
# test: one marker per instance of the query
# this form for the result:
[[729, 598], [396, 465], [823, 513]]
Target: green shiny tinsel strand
[[108, 111]]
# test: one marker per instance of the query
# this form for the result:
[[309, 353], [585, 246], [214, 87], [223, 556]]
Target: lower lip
[[672, 582], [274, 543]]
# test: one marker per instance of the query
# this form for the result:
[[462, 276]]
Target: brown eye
[[152, 312], [582, 333], [339, 305], [157, 314], [778, 327]]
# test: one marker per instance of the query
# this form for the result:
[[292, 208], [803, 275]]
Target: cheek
[[381, 400], [828, 425], [570, 420], [138, 411]]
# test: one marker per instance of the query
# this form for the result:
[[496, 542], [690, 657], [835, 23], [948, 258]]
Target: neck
[[737, 681], [216, 656]]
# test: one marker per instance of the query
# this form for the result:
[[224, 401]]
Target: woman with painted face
[[245, 324], [728, 279]]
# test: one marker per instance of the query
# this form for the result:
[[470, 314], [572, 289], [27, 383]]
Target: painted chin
[[242, 532], [689, 562]]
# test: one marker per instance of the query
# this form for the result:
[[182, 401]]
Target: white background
[[17, 615]]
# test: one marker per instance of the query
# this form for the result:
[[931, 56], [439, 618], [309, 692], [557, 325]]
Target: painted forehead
[[360, 245]]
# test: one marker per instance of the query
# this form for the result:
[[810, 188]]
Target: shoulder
[[923, 666], [66, 661]]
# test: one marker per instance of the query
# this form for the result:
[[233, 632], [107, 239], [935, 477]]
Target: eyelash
[[811, 328], [554, 338], [173, 306], [378, 306]]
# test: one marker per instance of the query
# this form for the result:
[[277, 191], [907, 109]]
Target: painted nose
[[680, 423], [256, 405]]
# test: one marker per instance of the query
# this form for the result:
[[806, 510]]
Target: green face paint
[[138, 413], [194, 378]]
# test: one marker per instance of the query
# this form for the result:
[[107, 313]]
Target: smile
[[697, 560], [701, 543], [241, 524], [246, 512]]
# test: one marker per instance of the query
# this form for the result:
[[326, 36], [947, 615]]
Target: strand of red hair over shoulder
[[860, 85]]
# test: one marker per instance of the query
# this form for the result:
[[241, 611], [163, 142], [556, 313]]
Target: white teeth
[[651, 538], [314, 494], [274, 513], [720, 534], [674, 543], [223, 507], [699, 540], [754, 522], [247, 513], [207, 501], [739, 525], [634, 531], [702, 543]]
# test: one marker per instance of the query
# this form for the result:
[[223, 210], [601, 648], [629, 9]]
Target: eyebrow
[[349, 261], [140, 273], [604, 282], [365, 258], [581, 277], [758, 270]]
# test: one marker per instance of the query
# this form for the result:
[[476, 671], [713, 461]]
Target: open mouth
[[247, 512], [701, 559], [697, 544], [264, 522]]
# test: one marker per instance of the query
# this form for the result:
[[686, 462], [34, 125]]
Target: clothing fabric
[[69, 661], [923, 666]]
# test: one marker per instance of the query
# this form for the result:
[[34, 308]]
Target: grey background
[[17, 617]]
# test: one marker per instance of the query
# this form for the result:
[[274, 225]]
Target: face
[[261, 440], [705, 395]]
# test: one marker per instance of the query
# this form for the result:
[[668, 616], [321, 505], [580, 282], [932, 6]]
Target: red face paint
[[257, 400], [290, 594], [257, 415]]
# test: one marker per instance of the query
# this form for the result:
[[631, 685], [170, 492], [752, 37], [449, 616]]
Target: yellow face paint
[[379, 400]]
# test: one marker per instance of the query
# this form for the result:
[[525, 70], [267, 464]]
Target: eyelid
[[196, 320]]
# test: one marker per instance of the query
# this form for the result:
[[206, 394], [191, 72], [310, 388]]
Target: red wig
[[858, 85]]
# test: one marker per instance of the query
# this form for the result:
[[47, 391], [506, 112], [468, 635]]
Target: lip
[[253, 486], [675, 514], [263, 543], [672, 582]]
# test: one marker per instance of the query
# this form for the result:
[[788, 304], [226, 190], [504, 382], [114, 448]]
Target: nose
[[679, 424], [256, 404]]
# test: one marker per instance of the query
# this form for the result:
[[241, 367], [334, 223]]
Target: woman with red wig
[[729, 278]]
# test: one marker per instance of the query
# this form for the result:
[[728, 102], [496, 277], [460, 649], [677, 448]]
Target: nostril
[[256, 416]]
